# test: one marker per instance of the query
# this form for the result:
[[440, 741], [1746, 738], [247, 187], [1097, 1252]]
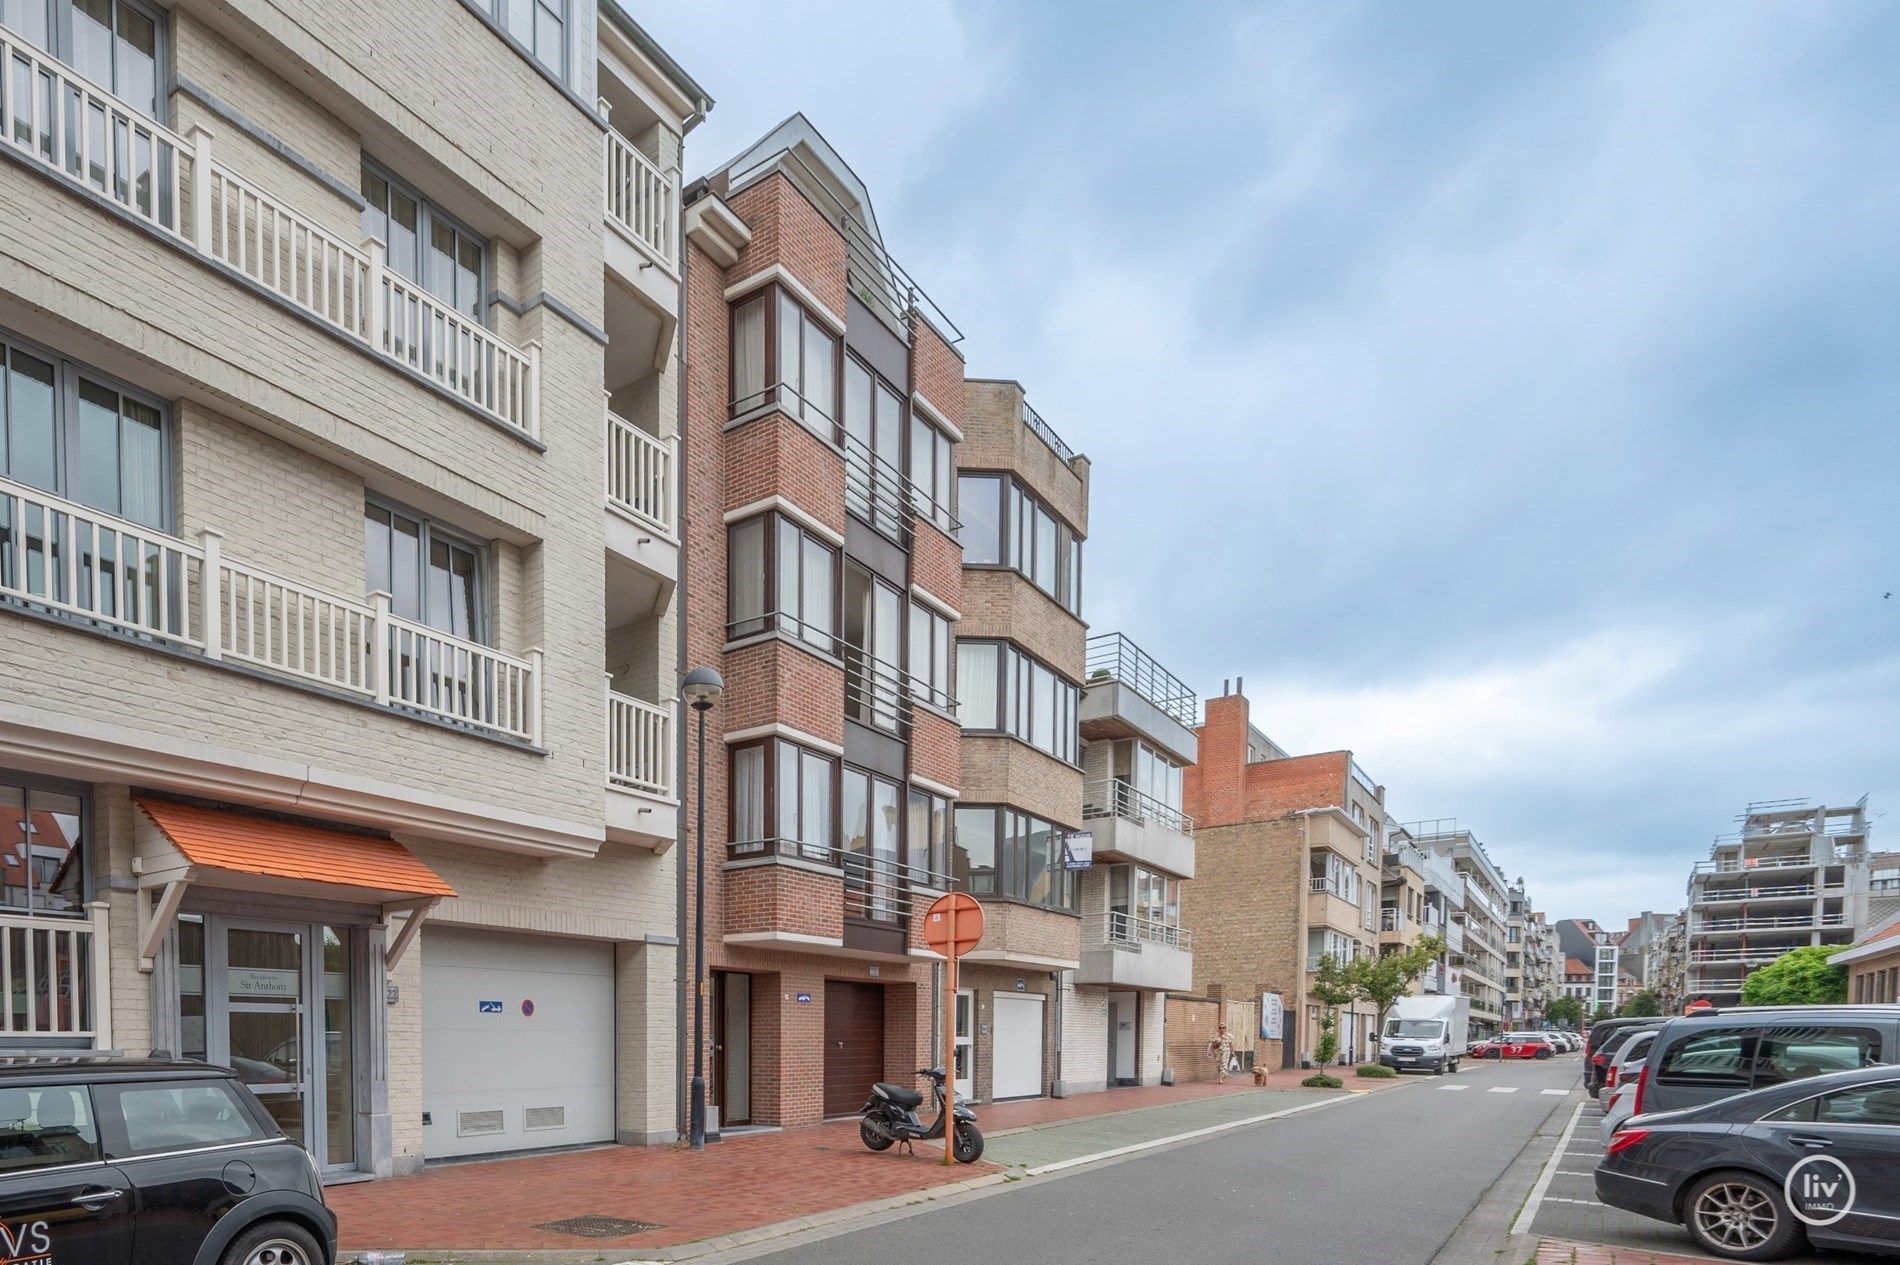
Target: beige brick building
[[315, 606]]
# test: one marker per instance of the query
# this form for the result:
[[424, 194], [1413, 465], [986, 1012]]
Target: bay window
[[1001, 852], [930, 656], [1005, 524], [1003, 690], [980, 503], [781, 578], [926, 836], [784, 798], [783, 355], [869, 847]]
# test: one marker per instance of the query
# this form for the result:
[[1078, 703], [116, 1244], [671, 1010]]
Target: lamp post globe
[[702, 687]]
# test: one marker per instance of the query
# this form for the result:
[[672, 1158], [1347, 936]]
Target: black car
[[1593, 1060], [107, 1160], [1754, 1176], [1610, 1052]]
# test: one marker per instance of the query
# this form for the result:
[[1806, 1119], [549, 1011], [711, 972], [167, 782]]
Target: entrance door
[[965, 1045], [854, 1044], [1018, 1046], [732, 1048], [258, 972], [1124, 1017]]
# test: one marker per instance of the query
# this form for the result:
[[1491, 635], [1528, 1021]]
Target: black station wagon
[[110, 1161]]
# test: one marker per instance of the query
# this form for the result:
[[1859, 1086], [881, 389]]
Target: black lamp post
[[700, 688]]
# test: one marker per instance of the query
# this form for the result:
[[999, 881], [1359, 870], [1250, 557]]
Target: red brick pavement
[[759, 1179], [1562, 1252]]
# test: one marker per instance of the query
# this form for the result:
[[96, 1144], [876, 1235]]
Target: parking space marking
[[1502, 1089], [1554, 1093], [1555, 1199], [1454, 1088], [1536, 1198]]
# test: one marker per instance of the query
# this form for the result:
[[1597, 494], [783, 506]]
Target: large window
[[873, 631], [930, 656], [73, 432], [1002, 690], [1001, 852], [42, 848], [782, 354], [926, 835], [1004, 524], [933, 464], [114, 43], [790, 587], [784, 800], [869, 849], [1145, 894], [541, 26], [432, 575], [424, 244], [1148, 772], [873, 448]]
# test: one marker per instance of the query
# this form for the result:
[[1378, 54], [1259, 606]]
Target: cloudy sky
[[1507, 392]]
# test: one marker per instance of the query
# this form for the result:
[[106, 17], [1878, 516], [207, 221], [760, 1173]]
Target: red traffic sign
[[967, 925]]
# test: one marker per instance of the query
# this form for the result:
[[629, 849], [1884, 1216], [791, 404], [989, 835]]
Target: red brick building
[[822, 579]]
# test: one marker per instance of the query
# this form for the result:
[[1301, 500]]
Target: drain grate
[[597, 1227]]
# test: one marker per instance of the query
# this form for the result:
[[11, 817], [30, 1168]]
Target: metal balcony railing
[[1119, 930], [1741, 865], [1112, 656], [1043, 431], [1114, 797], [1782, 923], [1393, 919], [884, 889]]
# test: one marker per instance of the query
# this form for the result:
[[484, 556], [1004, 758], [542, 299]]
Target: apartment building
[[1022, 496], [823, 580], [1288, 868], [1595, 947], [1795, 873], [1138, 724], [1419, 894], [1517, 966], [337, 740], [1542, 963], [1481, 921], [1639, 948]]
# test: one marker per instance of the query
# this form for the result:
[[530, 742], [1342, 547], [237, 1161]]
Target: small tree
[[1602, 1012], [1382, 980], [1643, 1005], [1799, 977], [1331, 990], [1565, 1011]]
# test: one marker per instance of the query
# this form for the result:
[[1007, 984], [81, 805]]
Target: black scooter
[[891, 1117]]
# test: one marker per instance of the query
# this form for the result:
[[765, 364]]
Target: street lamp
[[701, 688]]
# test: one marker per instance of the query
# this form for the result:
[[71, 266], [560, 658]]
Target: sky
[[1506, 392]]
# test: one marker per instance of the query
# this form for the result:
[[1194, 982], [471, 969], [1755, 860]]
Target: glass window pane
[[1042, 717], [787, 784], [404, 221], [748, 794], [1045, 565], [548, 37], [519, 17], [437, 603], [815, 806], [945, 471], [857, 402], [745, 581], [748, 354], [95, 466], [28, 17], [440, 280], [786, 600], [92, 39], [820, 381], [886, 628], [973, 856], [468, 277], [405, 566], [339, 1042], [29, 431], [939, 834], [916, 831], [46, 1128], [815, 597], [884, 821], [855, 816], [976, 684], [376, 212], [789, 321], [376, 548], [173, 1117], [138, 59], [141, 465], [15, 848], [464, 612], [55, 862], [1037, 861], [922, 461]]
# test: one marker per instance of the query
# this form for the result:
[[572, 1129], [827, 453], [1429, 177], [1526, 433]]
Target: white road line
[[1529, 1214], [1454, 1088], [1223, 1127], [1554, 1093], [1502, 1089]]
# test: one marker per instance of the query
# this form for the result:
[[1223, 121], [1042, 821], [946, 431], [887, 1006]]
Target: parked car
[[1525, 1045], [1594, 1063], [1614, 1051], [108, 1160], [1725, 1170], [1484, 1048], [1626, 1095], [1700, 1058]]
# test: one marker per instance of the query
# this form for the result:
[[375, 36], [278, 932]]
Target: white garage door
[[1018, 1046], [517, 1042]]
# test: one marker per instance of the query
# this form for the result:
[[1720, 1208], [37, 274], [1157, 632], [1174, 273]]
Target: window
[[872, 652], [46, 1128], [1148, 773], [932, 467], [1004, 853], [431, 575], [930, 656], [926, 835], [1003, 690], [174, 1116], [873, 448], [869, 850], [1718, 1057], [42, 848], [541, 26], [112, 44], [423, 243], [783, 355], [783, 801], [75, 433], [1787, 1054], [1874, 1104], [791, 588], [973, 867], [1007, 525]]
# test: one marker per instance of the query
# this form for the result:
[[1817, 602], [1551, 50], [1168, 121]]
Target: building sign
[[487, 1007], [1078, 848], [1272, 1016], [258, 981], [804, 999]]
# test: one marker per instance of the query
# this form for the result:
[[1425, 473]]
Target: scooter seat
[[899, 1095]]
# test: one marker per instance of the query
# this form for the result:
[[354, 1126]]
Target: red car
[[1523, 1045], [1484, 1050]]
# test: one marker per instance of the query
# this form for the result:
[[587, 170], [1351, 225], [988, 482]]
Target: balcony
[[176, 188], [642, 803], [56, 980], [1127, 694], [1786, 922], [1327, 906], [1746, 865], [642, 521], [1131, 826], [640, 240], [1122, 951], [1758, 892], [830, 903], [115, 576]]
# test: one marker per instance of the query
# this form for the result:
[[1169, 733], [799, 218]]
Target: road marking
[[1502, 1089], [1059, 1165], [1554, 1199], [1454, 1088], [1536, 1199], [1554, 1093]]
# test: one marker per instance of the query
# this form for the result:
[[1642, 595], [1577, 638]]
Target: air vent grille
[[544, 1118], [469, 1124]]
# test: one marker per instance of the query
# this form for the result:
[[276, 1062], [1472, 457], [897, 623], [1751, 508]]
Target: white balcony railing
[[640, 475], [1114, 797], [642, 201], [81, 133], [639, 745], [59, 556], [1393, 919], [55, 976], [1326, 885], [1114, 928]]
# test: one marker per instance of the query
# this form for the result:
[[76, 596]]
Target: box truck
[[1426, 1033]]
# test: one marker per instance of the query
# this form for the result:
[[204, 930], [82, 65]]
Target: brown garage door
[[854, 1044]]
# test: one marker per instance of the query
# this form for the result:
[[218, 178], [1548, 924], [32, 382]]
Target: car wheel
[[273, 1243], [1543, 1054], [1742, 1217]]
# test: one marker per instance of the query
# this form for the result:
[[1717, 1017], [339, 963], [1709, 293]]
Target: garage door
[[854, 1044], [517, 1042], [1018, 1046]]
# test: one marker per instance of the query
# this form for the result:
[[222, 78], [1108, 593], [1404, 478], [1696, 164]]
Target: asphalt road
[[1382, 1179]]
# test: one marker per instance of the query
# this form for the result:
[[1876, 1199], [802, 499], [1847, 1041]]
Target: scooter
[[890, 1117]]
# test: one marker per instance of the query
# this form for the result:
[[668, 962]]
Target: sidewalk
[[609, 1199], [1563, 1252]]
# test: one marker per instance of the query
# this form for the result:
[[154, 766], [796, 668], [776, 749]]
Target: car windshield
[[1417, 1029]]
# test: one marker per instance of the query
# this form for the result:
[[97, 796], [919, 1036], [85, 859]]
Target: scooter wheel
[[873, 1139], [969, 1144]]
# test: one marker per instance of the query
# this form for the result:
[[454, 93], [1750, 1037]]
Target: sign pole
[[950, 1043]]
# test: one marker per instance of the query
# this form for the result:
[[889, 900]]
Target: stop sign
[[969, 924]]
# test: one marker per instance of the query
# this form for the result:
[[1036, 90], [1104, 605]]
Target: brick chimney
[[1214, 791]]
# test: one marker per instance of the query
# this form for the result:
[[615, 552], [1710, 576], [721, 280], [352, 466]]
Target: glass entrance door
[[264, 1030], [964, 1047]]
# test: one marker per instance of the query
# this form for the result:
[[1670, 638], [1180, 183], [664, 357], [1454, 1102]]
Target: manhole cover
[[597, 1227]]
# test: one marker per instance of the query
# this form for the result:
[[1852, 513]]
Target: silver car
[[1629, 1079]]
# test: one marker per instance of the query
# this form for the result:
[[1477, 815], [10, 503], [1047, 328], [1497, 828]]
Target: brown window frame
[[771, 392], [773, 844], [774, 618]]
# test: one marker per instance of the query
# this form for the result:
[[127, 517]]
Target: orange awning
[[243, 844]]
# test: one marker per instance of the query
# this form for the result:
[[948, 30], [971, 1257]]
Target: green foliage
[[1331, 987], [1565, 1011], [1374, 1071], [1384, 979], [1799, 977], [1602, 1013], [1643, 1005], [1320, 1080], [1328, 1039]]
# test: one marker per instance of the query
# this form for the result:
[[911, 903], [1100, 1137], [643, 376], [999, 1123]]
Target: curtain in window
[[976, 684], [815, 589], [748, 354], [814, 791], [979, 504], [748, 795], [745, 578]]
